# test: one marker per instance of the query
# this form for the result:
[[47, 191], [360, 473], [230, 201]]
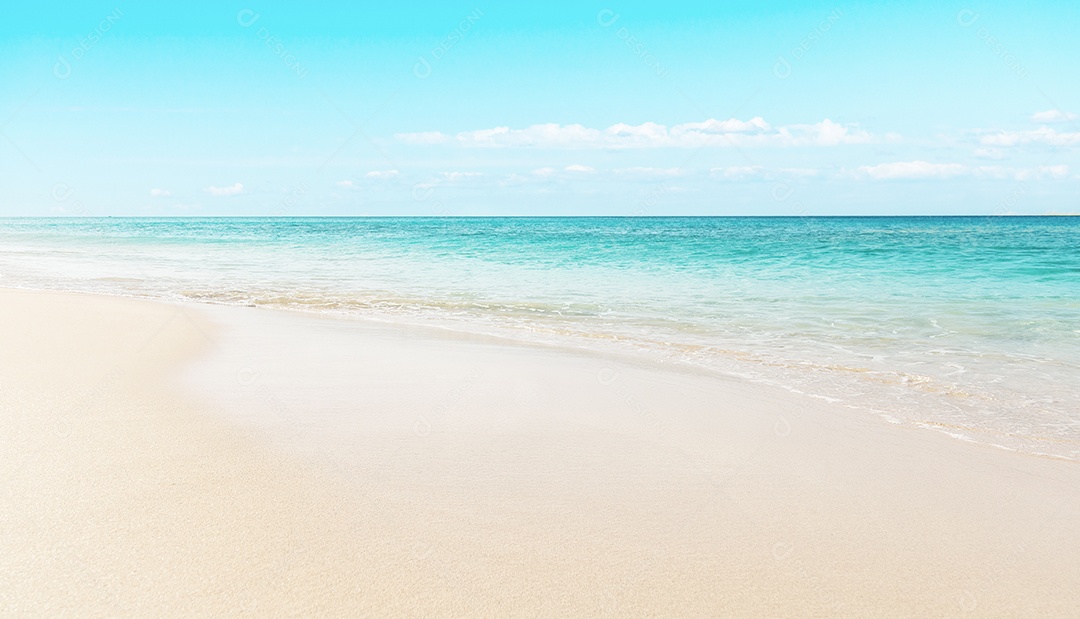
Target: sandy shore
[[183, 459]]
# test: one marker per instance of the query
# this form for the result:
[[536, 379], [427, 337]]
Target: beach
[[716, 309], [183, 458]]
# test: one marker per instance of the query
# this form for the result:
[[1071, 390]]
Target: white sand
[[190, 459]]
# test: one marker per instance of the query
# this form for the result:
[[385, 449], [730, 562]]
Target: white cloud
[[756, 172], [1053, 116], [644, 135], [160, 193], [750, 171], [913, 169], [443, 179], [829, 133], [716, 127], [453, 177], [514, 179], [549, 173], [548, 135], [1056, 172], [903, 170], [1042, 135], [989, 153], [348, 184], [651, 173], [579, 169], [234, 190], [383, 174], [711, 132], [424, 137]]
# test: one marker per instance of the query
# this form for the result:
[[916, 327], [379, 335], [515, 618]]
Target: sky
[[554, 108]]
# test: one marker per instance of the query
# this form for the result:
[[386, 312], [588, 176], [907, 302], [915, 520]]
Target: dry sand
[[183, 459]]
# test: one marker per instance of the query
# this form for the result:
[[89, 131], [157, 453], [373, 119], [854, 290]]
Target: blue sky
[[563, 108]]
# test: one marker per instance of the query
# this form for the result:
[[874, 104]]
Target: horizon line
[[284, 217]]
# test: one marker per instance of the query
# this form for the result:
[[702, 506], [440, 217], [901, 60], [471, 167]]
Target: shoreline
[[1023, 445], [545, 482]]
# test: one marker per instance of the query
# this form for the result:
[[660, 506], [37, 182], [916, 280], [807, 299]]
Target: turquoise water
[[966, 325]]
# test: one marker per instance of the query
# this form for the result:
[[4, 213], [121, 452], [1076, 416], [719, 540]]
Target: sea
[[964, 325]]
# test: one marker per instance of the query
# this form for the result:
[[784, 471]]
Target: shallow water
[[969, 325]]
